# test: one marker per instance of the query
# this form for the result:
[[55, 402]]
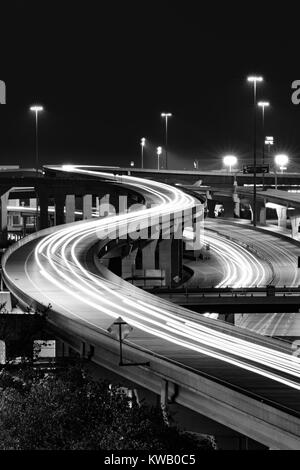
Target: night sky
[[105, 74]]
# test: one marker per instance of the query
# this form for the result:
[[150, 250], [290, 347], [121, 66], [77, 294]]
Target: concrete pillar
[[148, 253], [32, 202], [295, 226], [4, 204], [123, 204], [237, 210], [43, 205], [104, 205], [282, 216], [228, 205], [87, 206], [170, 260], [128, 264], [59, 209], [262, 214], [211, 204], [114, 201], [70, 208]]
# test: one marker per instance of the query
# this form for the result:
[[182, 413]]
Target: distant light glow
[[254, 78], [36, 108], [281, 160], [263, 104], [166, 115], [159, 150], [230, 160], [143, 140]]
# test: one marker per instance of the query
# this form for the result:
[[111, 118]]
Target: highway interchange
[[53, 267]]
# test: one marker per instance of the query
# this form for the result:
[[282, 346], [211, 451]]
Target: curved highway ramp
[[240, 379]]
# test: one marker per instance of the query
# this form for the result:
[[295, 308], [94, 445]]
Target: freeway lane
[[278, 253], [54, 268]]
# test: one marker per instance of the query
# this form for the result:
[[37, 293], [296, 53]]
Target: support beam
[[228, 206], [87, 206], [282, 216], [295, 227], [43, 206], [128, 264], [104, 205], [4, 203], [148, 252], [170, 260], [59, 209], [70, 208], [211, 204]]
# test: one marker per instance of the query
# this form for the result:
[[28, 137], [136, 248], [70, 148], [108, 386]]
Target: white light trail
[[59, 261]]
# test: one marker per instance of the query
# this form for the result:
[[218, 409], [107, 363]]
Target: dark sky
[[105, 74]]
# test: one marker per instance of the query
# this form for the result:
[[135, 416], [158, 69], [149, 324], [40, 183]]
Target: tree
[[69, 411]]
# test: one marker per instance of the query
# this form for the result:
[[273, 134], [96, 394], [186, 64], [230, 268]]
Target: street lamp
[[166, 116], [36, 109], [254, 80], [230, 160], [282, 160], [143, 140], [158, 151], [263, 105]]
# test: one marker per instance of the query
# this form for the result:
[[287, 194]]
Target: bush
[[69, 411]]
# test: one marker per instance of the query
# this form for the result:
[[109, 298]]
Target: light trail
[[58, 257]]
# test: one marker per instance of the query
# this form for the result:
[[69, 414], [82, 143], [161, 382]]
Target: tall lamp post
[[166, 116], [36, 109], [254, 80], [158, 151], [143, 140], [263, 105]]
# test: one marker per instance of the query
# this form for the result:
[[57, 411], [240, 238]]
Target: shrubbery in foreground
[[69, 411]]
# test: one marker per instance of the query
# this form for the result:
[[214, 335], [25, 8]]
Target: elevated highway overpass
[[235, 377]]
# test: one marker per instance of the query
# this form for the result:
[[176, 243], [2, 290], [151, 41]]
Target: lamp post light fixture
[[253, 79], [36, 109], [230, 161], [282, 160], [158, 151], [143, 141], [166, 116]]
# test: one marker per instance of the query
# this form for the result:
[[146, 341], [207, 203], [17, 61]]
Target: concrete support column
[[211, 204], [148, 253], [228, 205], [4, 204], [282, 216], [60, 209], [32, 202], [295, 226], [237, 210], [262, 213], [114, 201], [70, 208], [87, 206], [128, 264], [43, 206], [170, 260], [104, 205]]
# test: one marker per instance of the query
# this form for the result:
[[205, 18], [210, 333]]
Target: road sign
[[259, 169], [119, 325]]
